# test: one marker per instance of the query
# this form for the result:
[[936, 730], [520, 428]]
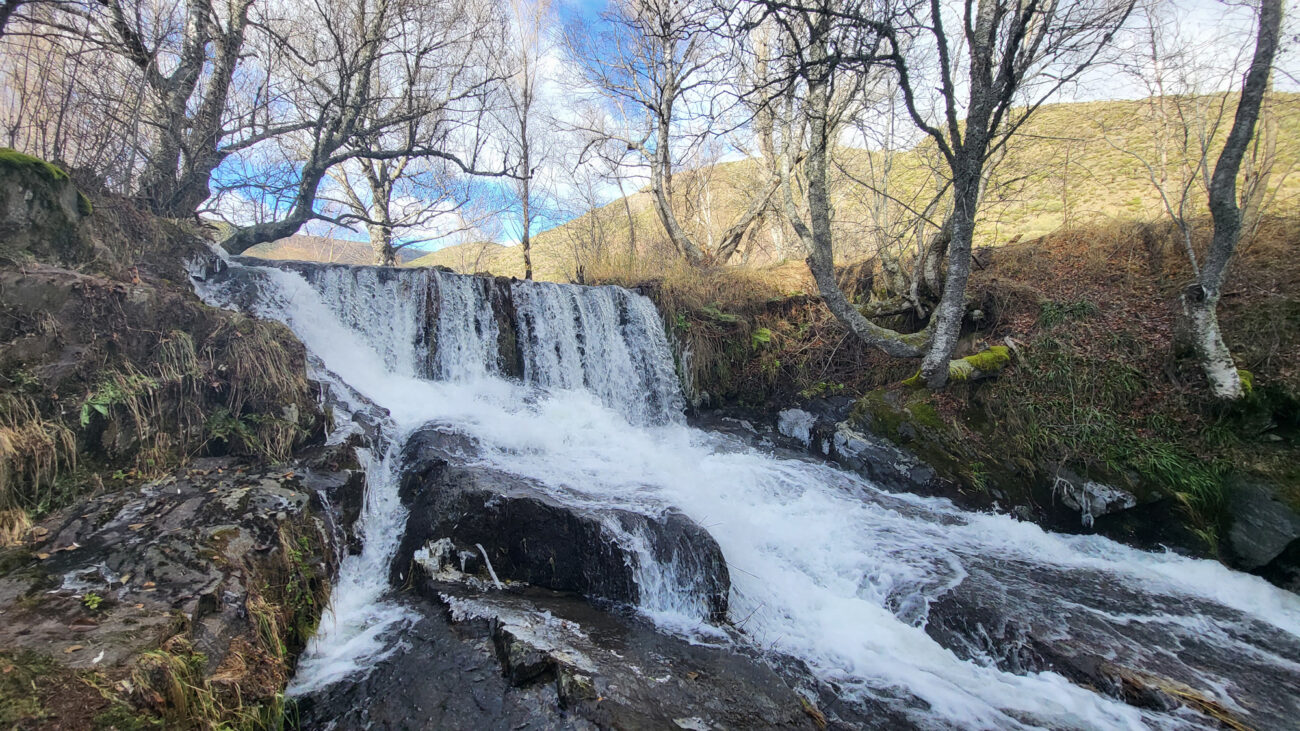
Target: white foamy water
[[824, 566]]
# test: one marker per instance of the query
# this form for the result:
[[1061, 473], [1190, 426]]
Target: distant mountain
[[302, 247]]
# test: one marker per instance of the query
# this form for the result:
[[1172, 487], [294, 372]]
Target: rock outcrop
[[1264, 528], [530, 537], [41, 212], [207, 582], [528, 658]]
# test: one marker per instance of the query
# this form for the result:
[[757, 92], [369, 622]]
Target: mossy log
[[984, 364]]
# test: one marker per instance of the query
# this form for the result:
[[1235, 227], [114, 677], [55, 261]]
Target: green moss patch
[[26, 164]]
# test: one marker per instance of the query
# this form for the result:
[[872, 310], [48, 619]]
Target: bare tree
[[812, 113], [63, 98], [1015, 54], [1201, 299], [662, 69], [400, 202], [524, 56], [1180, 71], [188, 59], [373, 80]]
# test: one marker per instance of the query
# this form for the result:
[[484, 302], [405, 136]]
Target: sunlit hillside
[[302, 247], [1073, 164]]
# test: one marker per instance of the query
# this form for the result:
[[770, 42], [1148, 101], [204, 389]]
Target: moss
[[897, 416], [991, 359], [1247, 380], [49, 211], [874, 411], [124, 718], [18, 162], [19, 699], [987, 361], [924, 414]]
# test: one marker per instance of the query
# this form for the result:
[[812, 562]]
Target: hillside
[[302, 247], [1074, 164]]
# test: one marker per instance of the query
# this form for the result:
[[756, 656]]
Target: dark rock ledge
[[214, 577]]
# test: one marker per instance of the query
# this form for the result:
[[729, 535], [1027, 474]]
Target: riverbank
[[1102, 387], [165, 554]]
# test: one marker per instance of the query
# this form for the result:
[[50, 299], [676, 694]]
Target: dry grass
[[33, 451], [1109, 385], [14, 527], [265, 383]]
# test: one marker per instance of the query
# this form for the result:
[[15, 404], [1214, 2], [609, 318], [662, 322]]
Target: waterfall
[[573, 387], [605, 340]]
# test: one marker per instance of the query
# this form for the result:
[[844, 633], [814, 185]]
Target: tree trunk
[[525, 240], [951, 310], [244, 238], [1207, 341], [381, 245], [816, 235], [1201, 301], [7, 10]]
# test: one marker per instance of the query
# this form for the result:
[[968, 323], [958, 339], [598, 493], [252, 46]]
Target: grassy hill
[[1073, 165], [302, 247]]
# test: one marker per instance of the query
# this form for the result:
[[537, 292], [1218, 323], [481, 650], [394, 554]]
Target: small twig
[[491, 571], [741, 624]]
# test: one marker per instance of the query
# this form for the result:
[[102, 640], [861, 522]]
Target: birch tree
[[1003, 61], [1201, 299], [526, 49], [662, 68]]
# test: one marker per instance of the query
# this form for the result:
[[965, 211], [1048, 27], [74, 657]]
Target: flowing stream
[[825, 567]]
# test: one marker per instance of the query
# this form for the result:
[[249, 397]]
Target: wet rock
[[1090, 498], [983, 619], [187, 564], [449, 678], [535, 659], [797, 424], [824, 428], [510, 358], [881, 462], [1263, 525], [1284, 569], [337, 484], [529, 536]]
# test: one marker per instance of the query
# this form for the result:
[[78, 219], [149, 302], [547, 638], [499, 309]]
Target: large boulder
[[41, 212], [530, 536], [475, 657], [1263, 524]]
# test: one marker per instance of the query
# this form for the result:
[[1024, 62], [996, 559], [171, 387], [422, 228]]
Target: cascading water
[[825, 567]]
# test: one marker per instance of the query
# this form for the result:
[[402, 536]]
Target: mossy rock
[[907, 418], [41, 212]]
